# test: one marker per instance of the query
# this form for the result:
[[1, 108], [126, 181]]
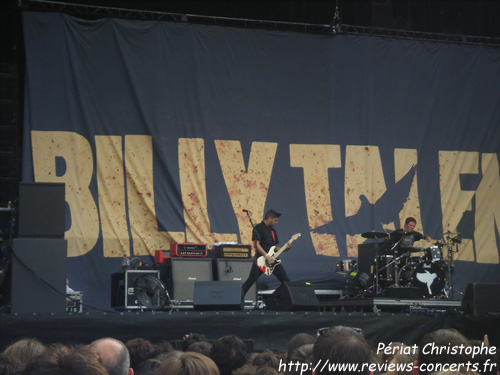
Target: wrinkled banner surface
[[165, 132]]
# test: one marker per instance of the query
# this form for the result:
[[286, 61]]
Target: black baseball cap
[[272, 213]]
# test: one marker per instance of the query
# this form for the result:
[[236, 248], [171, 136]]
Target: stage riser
[[269, 330]]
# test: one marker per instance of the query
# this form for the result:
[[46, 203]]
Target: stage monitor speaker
[[293, 296], [122, 288], [481, 299], [366, 257], [39, 275], [236, 270], [41, 210], [183, 274], [217, 295]]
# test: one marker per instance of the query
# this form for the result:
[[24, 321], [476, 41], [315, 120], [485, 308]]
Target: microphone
[[245, 211]]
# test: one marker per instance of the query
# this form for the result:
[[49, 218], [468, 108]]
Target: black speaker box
[[38, 283], [481, 299], [293, 296], [217, 295], [182, 273], [41, 210], [122, 288], [236, 270], [366, 257]]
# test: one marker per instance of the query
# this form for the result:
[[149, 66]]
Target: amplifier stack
[[188, 250]]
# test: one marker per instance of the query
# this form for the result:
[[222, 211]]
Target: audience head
[[148, 367], [302, 354], [188, 363], [191, 339], [139, 350], [266, 359], [229, 353], [201, 347], [163, 348], [442, 338], [484, 359], [297, 341], [24, 350], [114, 355], [9, 366], [342, 345], [79, 360], [403, 355]]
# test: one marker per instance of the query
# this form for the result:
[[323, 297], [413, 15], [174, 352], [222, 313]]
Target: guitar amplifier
[[196, 250], [233, 251], [161, 255]]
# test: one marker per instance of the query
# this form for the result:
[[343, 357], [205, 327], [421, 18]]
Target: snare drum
[[434, 254]]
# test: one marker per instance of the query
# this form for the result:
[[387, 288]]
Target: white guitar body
[[266, 268]]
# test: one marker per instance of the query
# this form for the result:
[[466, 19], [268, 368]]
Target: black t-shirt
[[264, 235], [408, 237]]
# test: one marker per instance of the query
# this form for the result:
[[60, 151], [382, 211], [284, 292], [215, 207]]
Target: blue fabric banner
[[166, 132]]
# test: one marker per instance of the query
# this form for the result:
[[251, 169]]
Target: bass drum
[[428, 277]]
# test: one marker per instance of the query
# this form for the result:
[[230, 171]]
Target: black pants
[[255, 272]]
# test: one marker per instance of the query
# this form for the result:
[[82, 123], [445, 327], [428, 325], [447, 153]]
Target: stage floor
[[266, 329]]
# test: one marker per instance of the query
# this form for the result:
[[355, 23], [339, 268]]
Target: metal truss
[[99, 11]]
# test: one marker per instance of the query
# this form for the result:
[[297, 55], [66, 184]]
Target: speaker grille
[[293, 296], [41, 210], [184, 273], [217, 295], [237, 270], [39, 275]]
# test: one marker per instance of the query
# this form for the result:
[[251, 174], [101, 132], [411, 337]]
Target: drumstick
[[384, 228]]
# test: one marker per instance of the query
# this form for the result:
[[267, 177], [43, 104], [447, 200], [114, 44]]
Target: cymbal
[[374, 235]]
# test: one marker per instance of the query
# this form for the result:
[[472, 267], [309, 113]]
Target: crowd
[[337, 350]]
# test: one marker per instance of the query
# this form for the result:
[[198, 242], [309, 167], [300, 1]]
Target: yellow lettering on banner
[[247, 188], [487, 211], [363, 176], [194, 194], [111, 188], [141, 200], [404, 160], [454, 200], [77, 154], [315, 161]]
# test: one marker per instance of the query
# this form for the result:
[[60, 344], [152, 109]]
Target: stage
[[263, 328]]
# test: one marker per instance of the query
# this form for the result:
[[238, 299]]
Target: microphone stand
[[377, 270], [254, 232]]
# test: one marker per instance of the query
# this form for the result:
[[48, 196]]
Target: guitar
[[266, 268]]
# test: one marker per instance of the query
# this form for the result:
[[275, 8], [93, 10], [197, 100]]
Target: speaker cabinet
[[39, 275], [236, 270], [122, 288], [293, 296], [217, 295], [182, 273], [481, 299], [41, 210], [366, 257]]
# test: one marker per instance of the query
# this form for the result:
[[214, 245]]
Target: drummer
[[407, 235]]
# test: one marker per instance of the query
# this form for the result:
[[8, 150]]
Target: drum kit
[[425, 269]]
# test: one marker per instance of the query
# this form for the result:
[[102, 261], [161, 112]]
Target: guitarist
[[264, 237]]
